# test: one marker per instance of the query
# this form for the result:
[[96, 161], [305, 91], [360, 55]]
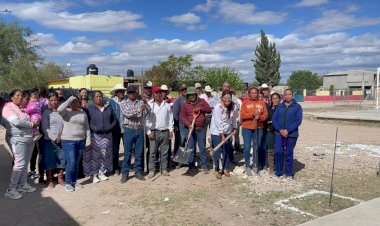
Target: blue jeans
[[73, 150], [133, 138], [227, 152], [249, 136], [288, 144], [198, 136]]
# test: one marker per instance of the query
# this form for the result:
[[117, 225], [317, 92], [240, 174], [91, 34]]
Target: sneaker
[[102, 177], [32, 174], [12, 194], [248, 171], [69, 188], [95, 179], [151, 174], [289, 178], [26, 188], [78, 186], [165, 173], [139, 176], [123, 179]]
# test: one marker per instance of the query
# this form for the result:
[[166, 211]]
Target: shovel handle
[[195, 115], [213, 150]]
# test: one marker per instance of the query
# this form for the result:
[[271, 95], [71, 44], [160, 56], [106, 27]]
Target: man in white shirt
[[160, 126]]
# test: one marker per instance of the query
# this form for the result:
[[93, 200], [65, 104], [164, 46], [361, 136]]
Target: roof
[[349, 72]]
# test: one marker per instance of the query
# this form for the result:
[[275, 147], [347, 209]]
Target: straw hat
[[116, 87]]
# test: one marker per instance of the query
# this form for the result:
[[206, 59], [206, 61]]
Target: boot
[[49, 175], [271, 161], [61, 181]]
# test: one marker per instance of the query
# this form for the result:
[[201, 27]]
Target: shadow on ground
[[33, 208]]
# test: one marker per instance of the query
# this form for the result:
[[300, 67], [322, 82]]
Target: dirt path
[[204, 200]]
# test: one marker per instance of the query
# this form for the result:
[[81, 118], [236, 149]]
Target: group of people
[[78, 135]]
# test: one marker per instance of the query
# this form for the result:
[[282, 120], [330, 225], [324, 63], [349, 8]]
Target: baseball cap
[[156, 89], [148, 84], [131, 89]]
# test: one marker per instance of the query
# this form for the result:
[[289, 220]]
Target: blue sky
[[318, 35]]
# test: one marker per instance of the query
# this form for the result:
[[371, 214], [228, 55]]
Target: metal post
[[377, 88], [332, 173]]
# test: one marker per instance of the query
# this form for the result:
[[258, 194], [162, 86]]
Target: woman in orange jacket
[[253, 113]]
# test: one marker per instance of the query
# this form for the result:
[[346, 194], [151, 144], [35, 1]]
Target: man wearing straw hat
[[118, 94]]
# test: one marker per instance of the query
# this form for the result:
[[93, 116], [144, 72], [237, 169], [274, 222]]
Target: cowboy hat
[[116, 87], [208, 89]]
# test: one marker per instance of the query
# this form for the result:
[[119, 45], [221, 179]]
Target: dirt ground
[[205, 200]]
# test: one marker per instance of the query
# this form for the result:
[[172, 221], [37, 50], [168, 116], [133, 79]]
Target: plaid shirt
[[132, 113]]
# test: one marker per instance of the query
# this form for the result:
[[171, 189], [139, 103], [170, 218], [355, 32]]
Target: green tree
[[18, 58], [267, 62], [170, 71], [215, 76], [304, 79]]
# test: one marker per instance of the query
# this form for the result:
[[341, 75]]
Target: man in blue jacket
[[286, 120], [118, 94]]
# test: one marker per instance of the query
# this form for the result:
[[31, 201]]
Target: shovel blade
[[182, 156]]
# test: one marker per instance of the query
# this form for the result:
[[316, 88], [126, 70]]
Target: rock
[[166, 199], [106, 212]]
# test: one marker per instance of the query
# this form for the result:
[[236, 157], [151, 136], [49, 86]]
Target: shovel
[[213, 150], [183, 154]]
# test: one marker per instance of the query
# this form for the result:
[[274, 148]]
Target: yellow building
[[92, 82]]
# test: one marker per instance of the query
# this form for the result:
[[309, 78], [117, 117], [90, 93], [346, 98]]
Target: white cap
[[164, 87], [208, 89], [264, 86]]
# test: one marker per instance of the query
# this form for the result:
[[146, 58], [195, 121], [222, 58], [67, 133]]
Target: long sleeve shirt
[[114, 102], [288, 117], [34, 110], [220, 122], [52, 125], [247, 111], [177, 105], [186, 114], [75, 123], [16, 122], [131, 110], [160, 117], [101, 121]]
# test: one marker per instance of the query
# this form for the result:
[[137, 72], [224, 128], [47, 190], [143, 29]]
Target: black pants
[[116, 137], [37, 155]]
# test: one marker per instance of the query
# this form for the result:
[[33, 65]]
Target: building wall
[[91, 82], [58, 84], [338, 81]]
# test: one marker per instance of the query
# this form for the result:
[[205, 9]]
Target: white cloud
[[187, 18], [334, 20], [53, 15], [309, 3], [205, 7], [247, 14], [50, 46], [99, 2], [320, 53]]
